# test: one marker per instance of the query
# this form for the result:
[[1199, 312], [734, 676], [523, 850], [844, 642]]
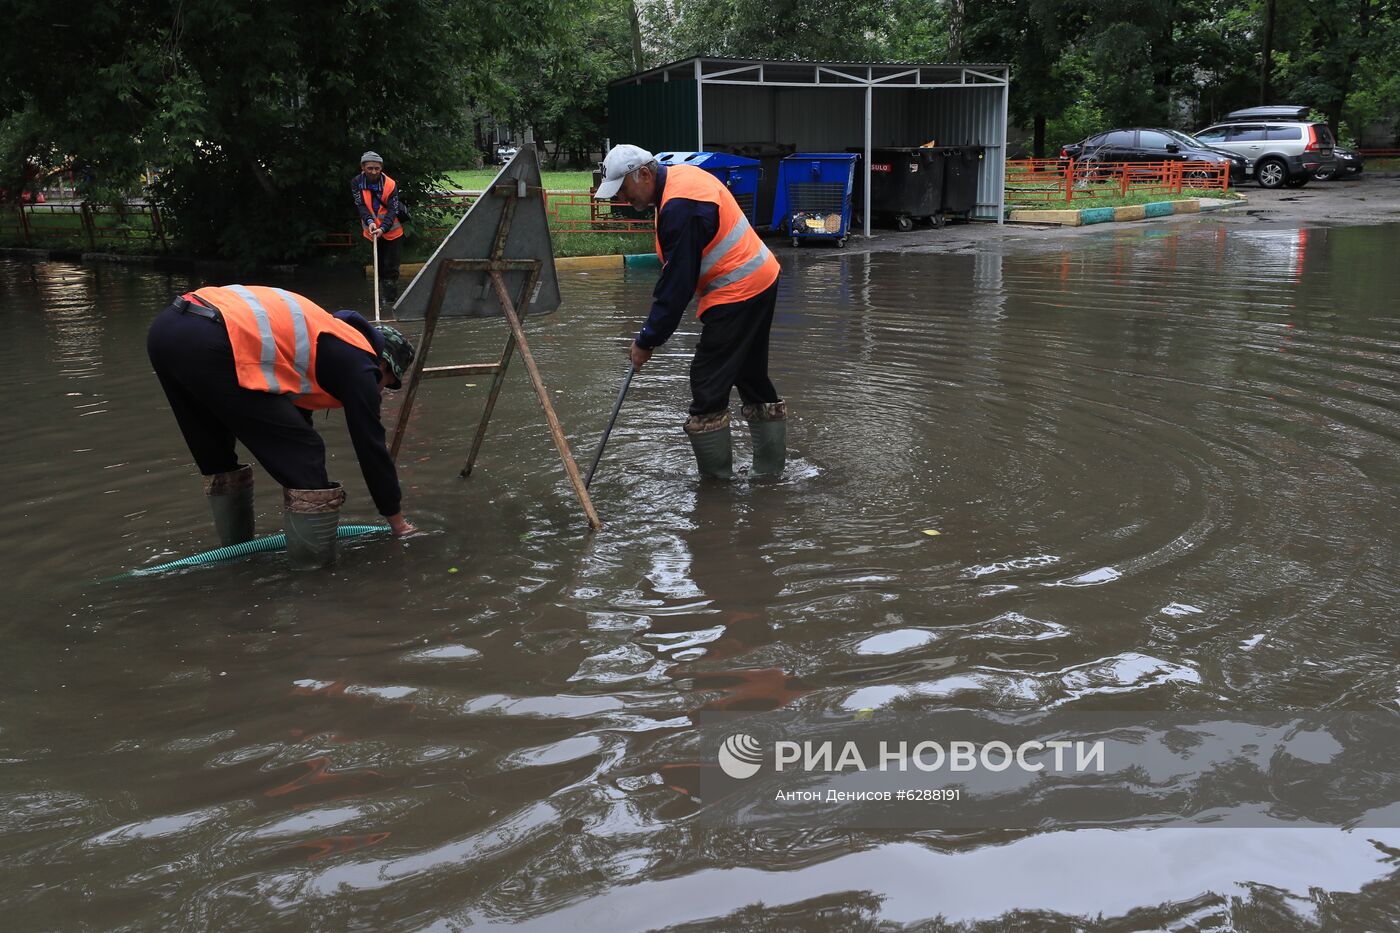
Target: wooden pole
[[498, 248], [491, 397], [375, 241], [506, 354], [420, 357], [557, 431]]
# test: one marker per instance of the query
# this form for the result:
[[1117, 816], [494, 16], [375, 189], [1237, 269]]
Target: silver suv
[[1283, 146]]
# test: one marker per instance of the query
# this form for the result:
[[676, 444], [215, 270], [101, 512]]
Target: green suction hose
[[277, 542]]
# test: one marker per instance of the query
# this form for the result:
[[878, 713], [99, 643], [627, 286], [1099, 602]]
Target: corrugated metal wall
[[820, 121], [961, 117], [658, 116]]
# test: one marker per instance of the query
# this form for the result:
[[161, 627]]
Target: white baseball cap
[[622, 161]]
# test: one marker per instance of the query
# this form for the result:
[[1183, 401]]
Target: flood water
[[1163, 468]]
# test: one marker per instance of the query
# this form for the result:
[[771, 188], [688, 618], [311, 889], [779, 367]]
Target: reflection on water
[[1160, 464]]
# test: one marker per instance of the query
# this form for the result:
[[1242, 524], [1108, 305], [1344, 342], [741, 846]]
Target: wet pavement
[[1161, 458], [1368, 199]]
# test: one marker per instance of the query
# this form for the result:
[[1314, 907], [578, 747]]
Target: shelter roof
[[821, 73]]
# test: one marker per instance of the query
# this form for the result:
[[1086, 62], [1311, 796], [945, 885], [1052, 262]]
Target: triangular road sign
[[474, 237]]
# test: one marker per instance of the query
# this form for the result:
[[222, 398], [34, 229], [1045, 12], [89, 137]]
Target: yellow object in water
[[932, 532]]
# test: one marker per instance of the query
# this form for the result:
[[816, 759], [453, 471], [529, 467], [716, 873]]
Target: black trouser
[[194, 362], [389, 252], [733, 352]]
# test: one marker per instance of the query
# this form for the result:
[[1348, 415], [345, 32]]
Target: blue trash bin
[[813, 200], [738, 174]]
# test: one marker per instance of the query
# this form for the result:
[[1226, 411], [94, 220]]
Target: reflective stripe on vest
[[390, 225], [735, 265], [273, 334]]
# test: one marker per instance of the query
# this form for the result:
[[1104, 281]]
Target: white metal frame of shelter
[[965, 103]]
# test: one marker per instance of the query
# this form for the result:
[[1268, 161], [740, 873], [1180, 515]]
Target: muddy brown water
[[1162, 463]]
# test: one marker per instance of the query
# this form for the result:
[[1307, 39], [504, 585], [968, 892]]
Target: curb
[[564, 264], [1103, 215]]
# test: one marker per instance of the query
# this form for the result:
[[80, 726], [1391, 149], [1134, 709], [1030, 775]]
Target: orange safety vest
[[273, 333], [390, 225], [735, 265]]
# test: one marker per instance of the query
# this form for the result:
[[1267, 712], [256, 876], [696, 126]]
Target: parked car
[[505, 152], [1152, 144], [1349, 162], [1282, 145]]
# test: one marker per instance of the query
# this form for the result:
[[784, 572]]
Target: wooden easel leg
[[420, 362], [527, 289], [496, 382], [555, 429]]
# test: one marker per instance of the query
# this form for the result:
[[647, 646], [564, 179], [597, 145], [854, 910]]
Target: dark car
[[1153, 144], [1349, 162]]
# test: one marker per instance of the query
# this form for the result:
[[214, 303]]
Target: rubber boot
[[231, 500], [768, 428], [389, 291], [710, 439], [310, 519]]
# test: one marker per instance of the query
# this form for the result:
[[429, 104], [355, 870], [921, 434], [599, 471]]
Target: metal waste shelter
[[727, 103]]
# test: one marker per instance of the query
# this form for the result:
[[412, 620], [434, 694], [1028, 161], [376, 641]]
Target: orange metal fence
[[567, 212], [1068, 180], [97, 224]]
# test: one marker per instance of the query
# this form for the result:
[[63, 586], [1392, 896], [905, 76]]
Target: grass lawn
[[1108, 196], [553, 181], [62, 228], [419, 248], [1382, 165], [609, 243]]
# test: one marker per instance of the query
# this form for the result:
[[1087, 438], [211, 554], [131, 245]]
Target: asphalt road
[[1368, 199]]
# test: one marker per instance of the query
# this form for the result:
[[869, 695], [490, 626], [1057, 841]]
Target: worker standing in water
[[252, 363], [377, 200], [708, 249]]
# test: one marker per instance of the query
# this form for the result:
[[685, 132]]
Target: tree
[[1329, 43], [254, 112], [822, 30], [558, 85], [1266, 65]]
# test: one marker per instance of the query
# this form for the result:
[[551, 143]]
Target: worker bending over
[[252, 363]]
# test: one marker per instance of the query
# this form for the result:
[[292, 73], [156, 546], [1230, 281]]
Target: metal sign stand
[[514, 311]]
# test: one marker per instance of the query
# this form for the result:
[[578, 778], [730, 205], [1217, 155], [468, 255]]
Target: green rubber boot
[[768, 428], [310, 519], [710, 439], [231, 500]]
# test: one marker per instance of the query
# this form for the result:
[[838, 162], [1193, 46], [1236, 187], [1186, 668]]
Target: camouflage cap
[[397, 352]]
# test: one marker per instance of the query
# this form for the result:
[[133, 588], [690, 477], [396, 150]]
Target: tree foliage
[[558, 84], [253, 112], [1081, 65]]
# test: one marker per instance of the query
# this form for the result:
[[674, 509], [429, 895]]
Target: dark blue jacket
[[683, 228], [359, 184], [351, 376]]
